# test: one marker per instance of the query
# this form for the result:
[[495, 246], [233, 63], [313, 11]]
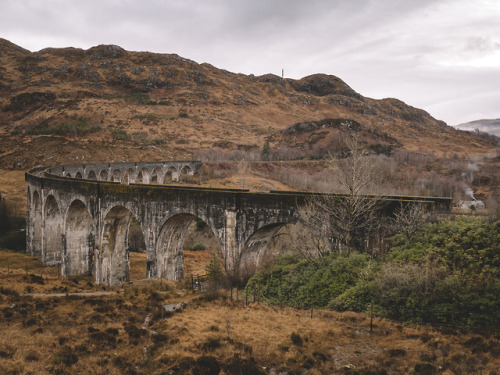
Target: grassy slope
[[104, 334]]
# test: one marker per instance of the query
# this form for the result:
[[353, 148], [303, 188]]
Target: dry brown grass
[[129, 332], [13, 188]]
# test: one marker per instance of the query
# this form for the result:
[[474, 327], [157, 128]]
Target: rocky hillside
[[107, 104]]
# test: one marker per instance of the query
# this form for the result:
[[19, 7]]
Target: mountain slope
[[141, 105], [486, 126]]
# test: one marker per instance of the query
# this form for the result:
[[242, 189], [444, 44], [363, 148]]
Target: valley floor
[[129, 332]]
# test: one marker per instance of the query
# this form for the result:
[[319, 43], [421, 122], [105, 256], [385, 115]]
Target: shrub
[[447, 273], [8, 292], [139, 98], [197, 247], [66, 356], [134, 333], [32, 356], [76, 128], [241, 366], [207, 365], [160, 338], [119, 135], [296, 339], [104, 339], [158, 141], [211, 344]]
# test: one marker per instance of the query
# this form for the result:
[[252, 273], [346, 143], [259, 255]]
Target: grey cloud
[[384, 48]]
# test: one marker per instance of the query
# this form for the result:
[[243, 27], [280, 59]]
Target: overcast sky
[[439, 55]]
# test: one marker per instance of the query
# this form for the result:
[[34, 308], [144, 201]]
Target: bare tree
[[409, 219], [342, 222]]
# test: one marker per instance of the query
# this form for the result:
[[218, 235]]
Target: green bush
[[119, 135], [296, 281], [139, 98], [197, 247], [447, 274], [158, 141], [76, 127]]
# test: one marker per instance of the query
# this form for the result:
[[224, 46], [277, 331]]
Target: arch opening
[[91, 176], [103, 176], [143, 176], [137, 251], [185, 246], [128, 176], [170, 176], [273, 241], [257, 251], [113, 265], [79, 241], [117, 174], [155, 176], [185, 172], [78, 175], [52, 247]]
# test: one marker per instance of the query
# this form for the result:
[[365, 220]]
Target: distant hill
[[486, 126], [68, 105]]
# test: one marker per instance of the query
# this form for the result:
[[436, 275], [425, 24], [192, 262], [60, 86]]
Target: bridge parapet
[[140, 172]]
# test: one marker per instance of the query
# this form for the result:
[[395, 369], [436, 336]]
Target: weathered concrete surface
[[83, 223]]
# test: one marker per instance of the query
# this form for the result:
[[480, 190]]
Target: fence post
[[192, 282], [199, 284]]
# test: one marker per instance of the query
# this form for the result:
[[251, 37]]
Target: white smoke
[[469, 192]]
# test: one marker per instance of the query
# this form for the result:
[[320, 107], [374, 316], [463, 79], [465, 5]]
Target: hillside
[[107, 104], [126, 330], [486, 126]]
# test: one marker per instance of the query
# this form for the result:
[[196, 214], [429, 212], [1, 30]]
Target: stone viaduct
[[78, 216]]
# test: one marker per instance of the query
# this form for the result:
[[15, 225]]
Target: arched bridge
[[78, 216]]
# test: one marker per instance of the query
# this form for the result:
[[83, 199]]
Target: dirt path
[[83, 294]]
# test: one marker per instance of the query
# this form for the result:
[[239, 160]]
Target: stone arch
[[128, 176], [185, 172], [68, 175], [155, 176], [255, 249], [36, 241], [91, 176], [117, 175], [78, 174], [113, 263], [170, 175], [52, 246], [103, 176], [79, 240], [169, 252], [143, 176]]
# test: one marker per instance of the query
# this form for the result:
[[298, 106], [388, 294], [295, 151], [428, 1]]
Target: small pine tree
[[266, 151], [213, 269]]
